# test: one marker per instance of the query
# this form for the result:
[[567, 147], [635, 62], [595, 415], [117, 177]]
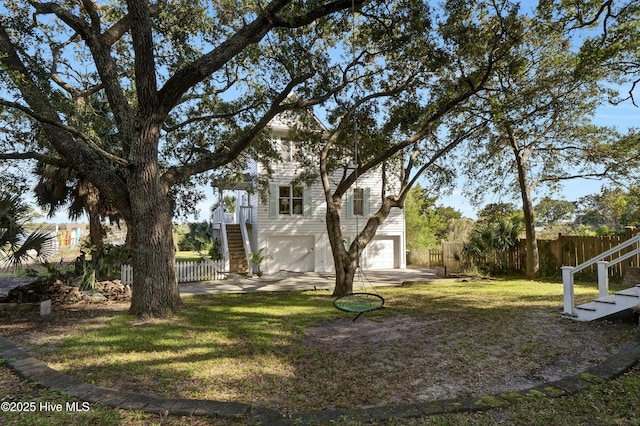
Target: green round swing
[[359, 303]]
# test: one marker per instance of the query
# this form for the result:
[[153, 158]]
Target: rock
[[94, 296], [45, 307]]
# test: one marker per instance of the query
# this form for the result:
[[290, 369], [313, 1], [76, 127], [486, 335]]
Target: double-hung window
[[358, 202], [290, 200]]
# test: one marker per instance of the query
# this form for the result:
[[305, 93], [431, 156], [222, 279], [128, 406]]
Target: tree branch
[[310, 16], [73, 21], [33, 155], [252, 33], [215, 159], [75, 132], [144, 60]]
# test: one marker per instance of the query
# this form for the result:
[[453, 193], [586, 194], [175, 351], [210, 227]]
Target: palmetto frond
[[16, 245]]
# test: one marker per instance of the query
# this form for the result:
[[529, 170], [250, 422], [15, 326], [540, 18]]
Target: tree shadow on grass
[[430, 341]]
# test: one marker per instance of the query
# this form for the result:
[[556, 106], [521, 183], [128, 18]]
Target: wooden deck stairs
[[608, 303], [237, 254], [614, 304]]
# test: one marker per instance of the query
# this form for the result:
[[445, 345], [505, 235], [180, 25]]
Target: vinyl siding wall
[[277, 233]]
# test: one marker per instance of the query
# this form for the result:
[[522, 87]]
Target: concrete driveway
[[288, 281]]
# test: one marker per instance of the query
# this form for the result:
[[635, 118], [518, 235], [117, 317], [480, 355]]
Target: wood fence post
[[560, 250]]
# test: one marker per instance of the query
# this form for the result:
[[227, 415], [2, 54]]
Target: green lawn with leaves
[[253, 348]]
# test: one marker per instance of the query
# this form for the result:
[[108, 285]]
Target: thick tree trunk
[[533, 258], [346, 261], [345, 269], [155, 290], [345, 272], [96, 232]]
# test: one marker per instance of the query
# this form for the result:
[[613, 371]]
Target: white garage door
[[291, 253], [379, 254]]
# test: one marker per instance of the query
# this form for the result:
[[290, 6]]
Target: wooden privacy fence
[[428, 258], [206, 270], [562, 251], [575, 250], [450, 256]]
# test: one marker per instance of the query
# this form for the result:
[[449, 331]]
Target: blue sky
[[623, 117]]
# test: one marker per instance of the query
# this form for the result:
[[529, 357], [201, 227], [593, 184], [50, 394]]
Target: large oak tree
[[413, 66], [187, 88], [540, 129]]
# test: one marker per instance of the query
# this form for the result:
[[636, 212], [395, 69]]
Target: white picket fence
[[207, 270]]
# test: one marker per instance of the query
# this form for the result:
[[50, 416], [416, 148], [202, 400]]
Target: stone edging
[[36, 371]]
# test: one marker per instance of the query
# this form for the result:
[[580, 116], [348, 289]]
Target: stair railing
[[219, 216], [246, 215], [568, 272], [246, 243]]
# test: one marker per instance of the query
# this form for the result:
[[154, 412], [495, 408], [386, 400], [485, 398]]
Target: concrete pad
[[305, 281]]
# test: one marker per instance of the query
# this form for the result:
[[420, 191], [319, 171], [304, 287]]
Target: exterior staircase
[[237, 254], [607, 304]]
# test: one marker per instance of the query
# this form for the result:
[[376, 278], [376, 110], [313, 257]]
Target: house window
[[285, 147], [290, 200], [358, 202]]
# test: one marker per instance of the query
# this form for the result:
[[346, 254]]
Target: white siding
[[303, 238], [269, 230]]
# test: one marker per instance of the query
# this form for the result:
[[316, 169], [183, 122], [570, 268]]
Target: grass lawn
[[188, 256], [273, 349]]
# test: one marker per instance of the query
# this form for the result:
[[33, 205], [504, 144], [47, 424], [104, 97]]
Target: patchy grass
[[33, 406], [295, 352]]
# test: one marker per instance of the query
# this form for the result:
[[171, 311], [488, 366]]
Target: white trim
[[206, 270]]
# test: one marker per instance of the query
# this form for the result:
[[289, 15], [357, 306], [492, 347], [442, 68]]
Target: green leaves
[[16, 245]]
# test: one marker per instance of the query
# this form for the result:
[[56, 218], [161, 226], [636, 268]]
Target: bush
[[490, 243], [198, 238]]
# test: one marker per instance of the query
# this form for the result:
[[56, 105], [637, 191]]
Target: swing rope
[[360, 302]]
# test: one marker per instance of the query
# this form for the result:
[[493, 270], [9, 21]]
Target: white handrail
[[223, 236], [246, 214], [568, 272], [607, 253], [623, 257], [245, 240]]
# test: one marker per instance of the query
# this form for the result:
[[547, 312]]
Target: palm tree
[[16, 245], [59, 186], [489, 244]]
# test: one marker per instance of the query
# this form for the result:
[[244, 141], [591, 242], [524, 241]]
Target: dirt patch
[[439, 357], [33, 332]]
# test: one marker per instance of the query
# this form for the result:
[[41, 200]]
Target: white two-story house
[[289, 224]]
